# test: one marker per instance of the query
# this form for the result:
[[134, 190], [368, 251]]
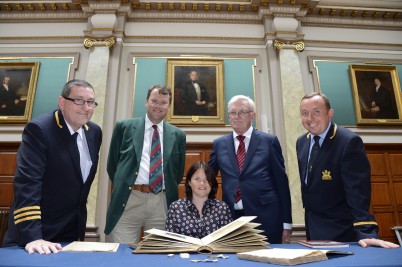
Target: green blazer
[[124, 163]]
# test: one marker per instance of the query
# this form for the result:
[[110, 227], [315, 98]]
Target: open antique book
[[283, 256], [237, 236]]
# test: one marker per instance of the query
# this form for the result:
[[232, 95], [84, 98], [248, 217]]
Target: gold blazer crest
[[326, 175]]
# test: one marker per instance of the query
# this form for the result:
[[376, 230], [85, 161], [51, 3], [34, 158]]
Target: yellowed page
[[227, 229], [79, 246], [188, 239]]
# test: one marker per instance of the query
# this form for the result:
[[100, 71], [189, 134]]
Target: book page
[[227, 229], [175, 236], [79, 246]]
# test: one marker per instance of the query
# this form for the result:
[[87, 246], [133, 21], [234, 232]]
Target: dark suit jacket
[[48, 179], [263, 181], [382, 98], [124, 163], [7, 98], [337, 196], [189, 96]]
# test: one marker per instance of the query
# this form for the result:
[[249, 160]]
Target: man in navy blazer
[[262, 181], [336, 189], [56, 165]]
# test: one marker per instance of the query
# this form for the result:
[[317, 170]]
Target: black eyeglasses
[[81, 102]]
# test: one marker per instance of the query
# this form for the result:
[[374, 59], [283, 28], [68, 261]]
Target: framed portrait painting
[[198, 92], [376, 94], [17, 91]]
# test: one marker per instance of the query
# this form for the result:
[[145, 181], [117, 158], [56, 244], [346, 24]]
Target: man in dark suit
[[195, 96], [56, 164], [336, 188], [381, 104], [8, 98], [261, 178], [135, 205]]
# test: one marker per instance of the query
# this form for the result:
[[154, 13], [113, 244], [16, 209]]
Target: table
[[17, 257]]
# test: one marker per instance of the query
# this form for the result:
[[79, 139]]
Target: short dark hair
[[311, 95], [209, 173], [162, 89], [66, 91]]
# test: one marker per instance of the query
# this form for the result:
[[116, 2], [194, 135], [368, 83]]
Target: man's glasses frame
[[81, 102], [240, 113]]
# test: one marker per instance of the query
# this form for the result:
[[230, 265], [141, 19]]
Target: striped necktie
[[155, 166], [241, 156]]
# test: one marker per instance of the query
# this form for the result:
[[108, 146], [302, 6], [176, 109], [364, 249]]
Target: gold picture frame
[[191, 105], [17, 91], [376, 94]]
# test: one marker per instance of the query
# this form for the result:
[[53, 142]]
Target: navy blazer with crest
[[50, 196], [337, 195], [263, 181]]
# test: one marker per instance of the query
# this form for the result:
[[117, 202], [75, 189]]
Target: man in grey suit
[[135, 204], [261, 180]]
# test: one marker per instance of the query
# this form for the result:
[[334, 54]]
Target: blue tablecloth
[[17, 257]]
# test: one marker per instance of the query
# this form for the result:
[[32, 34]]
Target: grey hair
[[242, 97]]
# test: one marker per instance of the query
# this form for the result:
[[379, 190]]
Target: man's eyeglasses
[[240, 113], [81, 102], [155, 103]]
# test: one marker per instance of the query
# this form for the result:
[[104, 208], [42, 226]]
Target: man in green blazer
[[135, 203]]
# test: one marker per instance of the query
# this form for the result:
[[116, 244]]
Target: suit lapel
[[71, 141], [328, 141], [168, 142], [138, 137], [322, 153], [304, 151], [231, 151], [252, 147]]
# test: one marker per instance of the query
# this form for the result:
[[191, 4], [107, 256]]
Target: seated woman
[[199, 214]]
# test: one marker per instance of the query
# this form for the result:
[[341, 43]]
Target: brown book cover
[[283, 256], [237, 236], [322, 244]]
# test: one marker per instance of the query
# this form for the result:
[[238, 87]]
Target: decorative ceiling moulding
[[190, 40], [383, 14], [352, 23], [359, 45]]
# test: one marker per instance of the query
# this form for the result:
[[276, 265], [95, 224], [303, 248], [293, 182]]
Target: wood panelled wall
[[386, 180]]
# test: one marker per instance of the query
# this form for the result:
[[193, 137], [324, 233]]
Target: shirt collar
[[148, 124], [247, 134], [80, 131], [322, 136]]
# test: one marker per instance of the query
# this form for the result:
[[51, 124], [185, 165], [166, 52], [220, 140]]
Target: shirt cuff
[[287, 226]]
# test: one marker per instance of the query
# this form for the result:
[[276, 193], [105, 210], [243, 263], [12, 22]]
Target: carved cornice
[[386, 14]]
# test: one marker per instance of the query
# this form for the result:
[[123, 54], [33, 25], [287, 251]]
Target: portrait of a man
[[17, 90], [12, 96], [376, 95], [195, 91]]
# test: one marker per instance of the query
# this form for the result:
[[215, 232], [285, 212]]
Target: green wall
[[335, 83], [238, 79]]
